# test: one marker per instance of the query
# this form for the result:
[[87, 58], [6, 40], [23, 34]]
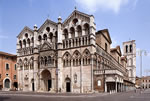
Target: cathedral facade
[[69, 56]]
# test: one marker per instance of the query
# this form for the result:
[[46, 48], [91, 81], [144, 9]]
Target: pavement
[[35, 96]]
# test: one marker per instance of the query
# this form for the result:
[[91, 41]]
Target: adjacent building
[[129, 50], [8, 71], [70, 56], [143, 82]]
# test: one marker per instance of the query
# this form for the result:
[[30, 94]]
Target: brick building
[[8, 71]]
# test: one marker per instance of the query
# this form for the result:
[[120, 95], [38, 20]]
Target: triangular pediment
[[106, 35], [45, 46], [25, 30], [47, 22], [119, 50], [77, 14]]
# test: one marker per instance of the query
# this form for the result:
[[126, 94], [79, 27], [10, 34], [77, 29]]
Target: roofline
[[7, 54], [105, 30]]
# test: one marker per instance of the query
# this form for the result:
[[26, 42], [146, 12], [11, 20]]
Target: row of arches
[[76, 59], [27, 42], [47, 60], [26, 63], [26, 51], [50, 36], [102, 63], [76, 42], [77, 29]]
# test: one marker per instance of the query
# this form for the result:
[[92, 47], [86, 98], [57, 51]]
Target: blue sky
[[125, 19]]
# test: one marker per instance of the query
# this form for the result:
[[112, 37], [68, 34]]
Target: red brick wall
[[11, 72]]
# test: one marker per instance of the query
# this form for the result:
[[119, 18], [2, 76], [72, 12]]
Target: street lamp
[[140, 54]]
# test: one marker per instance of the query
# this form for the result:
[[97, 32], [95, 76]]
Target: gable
[[25, 30], [119, 50], [47, 22], [107, 35], [45, 46], [77, 14]]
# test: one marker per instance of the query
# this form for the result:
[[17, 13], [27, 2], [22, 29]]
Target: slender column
[[105, 87], [76, 33], [92, 75], [116, 87], [23, 78], [83, 32]]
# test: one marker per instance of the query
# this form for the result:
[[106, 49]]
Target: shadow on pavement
[[4, 98]]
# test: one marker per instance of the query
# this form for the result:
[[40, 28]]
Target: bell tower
[[129, 50]]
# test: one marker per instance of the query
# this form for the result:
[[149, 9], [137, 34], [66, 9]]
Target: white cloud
[[94, 5]]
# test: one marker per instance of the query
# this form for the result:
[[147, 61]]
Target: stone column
[[83, 32], [23, 79], [116, 87], [105, 87], [76, 33]]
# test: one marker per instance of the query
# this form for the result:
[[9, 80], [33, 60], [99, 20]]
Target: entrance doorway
[[32, 86], [15, 85], [68, 84], [32, 81], [49, 85], [46, 80], [68, 87], [7, 83]]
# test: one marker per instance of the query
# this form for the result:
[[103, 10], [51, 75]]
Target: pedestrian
[[135, 90]]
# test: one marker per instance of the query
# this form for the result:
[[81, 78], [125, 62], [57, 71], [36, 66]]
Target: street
[[30, 96]]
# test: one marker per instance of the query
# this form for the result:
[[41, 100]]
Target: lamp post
[[140, 54]]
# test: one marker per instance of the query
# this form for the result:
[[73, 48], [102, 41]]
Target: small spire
[[35, 27], [75, 8], [59, 19]]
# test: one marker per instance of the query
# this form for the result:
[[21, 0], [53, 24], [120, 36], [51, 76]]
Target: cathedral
[[70, 56]]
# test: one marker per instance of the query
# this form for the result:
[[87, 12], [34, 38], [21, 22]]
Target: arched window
[[47, 29], [45, 37], [26, 35], [130, 48], [51, 37], [32, 39], [20, 43], [79, 30], [126, 48], [86, 57], [72, 32], [76, 58], [49, 59], [67, 59], [24, 43], [42, 61], [45, 60], [75, 21], [106, 47], [28, 41], [86, 28], [66, 33], [39, 38]]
